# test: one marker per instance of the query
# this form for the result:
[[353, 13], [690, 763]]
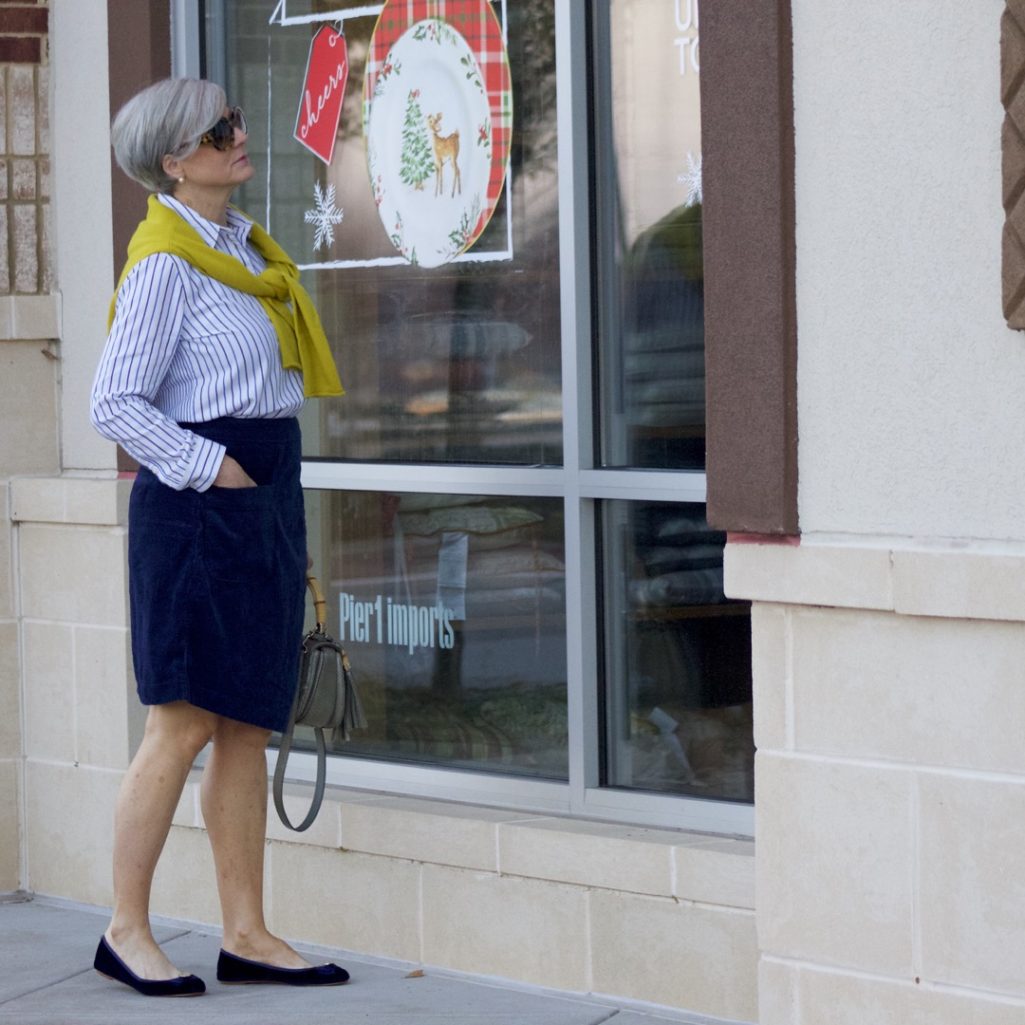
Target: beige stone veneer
[[890, 780]]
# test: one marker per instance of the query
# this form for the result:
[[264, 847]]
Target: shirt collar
[[209, 231]]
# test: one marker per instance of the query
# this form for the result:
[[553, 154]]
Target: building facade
[[519, 508]]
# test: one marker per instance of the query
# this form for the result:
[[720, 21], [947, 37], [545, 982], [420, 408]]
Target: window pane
[[650, 275], [458, 362], [678, 656], [452, 610]]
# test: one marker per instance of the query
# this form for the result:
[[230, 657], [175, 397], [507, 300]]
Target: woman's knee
[[182, 726], [240, 734]]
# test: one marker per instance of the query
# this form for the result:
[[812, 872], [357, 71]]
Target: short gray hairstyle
[[165, 119]]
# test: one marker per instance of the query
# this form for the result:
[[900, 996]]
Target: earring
[[180, 180]]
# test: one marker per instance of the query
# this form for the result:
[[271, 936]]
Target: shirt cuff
[[206, 461]]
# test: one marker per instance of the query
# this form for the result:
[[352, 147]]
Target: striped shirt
[[184, 347]]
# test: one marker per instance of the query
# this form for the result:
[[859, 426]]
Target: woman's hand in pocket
[[231, 475]]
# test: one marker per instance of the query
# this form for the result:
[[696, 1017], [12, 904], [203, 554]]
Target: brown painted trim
[[138, 54], [747, 118], [21, 50], [25, 19]]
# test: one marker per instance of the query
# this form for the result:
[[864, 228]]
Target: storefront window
[[677, 679], [453, 609], [506, 508], [678, 656]]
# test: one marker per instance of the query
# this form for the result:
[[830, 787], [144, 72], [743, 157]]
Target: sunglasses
[[222, 135]]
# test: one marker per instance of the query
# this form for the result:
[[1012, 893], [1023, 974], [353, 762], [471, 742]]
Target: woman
[[213, 348]]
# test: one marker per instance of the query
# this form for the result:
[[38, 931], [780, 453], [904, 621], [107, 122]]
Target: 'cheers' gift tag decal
[[320, 107]]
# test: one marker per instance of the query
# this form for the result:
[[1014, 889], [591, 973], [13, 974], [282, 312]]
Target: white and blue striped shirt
[[185, 347]]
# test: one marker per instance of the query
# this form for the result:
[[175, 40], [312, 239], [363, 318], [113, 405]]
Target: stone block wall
[[80, 716], [660, 916], [889, 706]]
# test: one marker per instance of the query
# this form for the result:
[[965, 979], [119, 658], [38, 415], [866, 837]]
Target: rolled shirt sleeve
[[140, 347]]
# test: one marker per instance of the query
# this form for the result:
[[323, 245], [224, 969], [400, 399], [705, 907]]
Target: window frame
[[580, 484]]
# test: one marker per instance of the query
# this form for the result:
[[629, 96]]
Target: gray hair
[[165, 119]]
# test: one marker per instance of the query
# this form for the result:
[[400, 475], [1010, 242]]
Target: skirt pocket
[[239, 533]]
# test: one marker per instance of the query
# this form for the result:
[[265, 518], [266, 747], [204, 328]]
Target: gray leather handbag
[[326, 699]]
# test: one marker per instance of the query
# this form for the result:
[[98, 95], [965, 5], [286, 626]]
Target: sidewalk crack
[[45, 985], [50, 983]]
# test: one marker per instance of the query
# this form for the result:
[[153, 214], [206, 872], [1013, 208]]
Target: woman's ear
[[173, 167]]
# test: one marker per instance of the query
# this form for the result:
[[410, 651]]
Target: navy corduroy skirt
[[217, 580]]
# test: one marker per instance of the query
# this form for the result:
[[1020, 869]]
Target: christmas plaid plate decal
[[437, 119]]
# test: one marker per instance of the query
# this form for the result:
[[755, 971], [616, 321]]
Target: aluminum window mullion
[[648, 485], [578, 454], [216, 52], [186, 45], [547, 482], [434, 479], [574, 234], [437, 782]]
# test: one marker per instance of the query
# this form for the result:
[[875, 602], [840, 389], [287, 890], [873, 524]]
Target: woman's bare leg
[[234, 799], [175, 733]]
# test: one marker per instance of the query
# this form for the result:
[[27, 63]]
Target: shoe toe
[[328, 975], [234, 969]]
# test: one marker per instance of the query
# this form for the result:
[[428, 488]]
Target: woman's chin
[[244, 170]]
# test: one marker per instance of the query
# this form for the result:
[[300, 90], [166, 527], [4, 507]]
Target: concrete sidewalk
[[46, 978]]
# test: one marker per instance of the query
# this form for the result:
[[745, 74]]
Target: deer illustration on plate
[[446, 147]]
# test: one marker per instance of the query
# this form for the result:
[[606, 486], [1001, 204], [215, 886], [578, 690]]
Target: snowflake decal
[[691, 178], [324, 216]]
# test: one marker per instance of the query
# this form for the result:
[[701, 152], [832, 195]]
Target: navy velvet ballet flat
[[108, 963], [232, 969]]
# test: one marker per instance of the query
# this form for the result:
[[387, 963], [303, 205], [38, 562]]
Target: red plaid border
[[476, 22]]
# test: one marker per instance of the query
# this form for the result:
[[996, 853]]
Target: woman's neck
[[206, 204]]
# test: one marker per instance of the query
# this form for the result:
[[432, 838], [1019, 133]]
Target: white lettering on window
[[688, 48], [685, 24]]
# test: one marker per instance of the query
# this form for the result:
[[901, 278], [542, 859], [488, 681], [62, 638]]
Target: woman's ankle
[[120, 933], [262, 945]]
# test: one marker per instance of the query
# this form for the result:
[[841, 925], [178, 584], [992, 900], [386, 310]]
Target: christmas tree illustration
[[417, 156]]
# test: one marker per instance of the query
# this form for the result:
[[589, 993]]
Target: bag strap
[[279, 778], [285, 747]]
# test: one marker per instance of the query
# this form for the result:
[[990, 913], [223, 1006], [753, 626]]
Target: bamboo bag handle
[[319, 601]]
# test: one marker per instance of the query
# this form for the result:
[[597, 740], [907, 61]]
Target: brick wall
[[25, 262]]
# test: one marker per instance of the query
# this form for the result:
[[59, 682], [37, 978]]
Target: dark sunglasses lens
[[222, 135]]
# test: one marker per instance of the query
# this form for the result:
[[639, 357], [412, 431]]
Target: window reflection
[[678, 666], [452, 609], [650, 276]]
